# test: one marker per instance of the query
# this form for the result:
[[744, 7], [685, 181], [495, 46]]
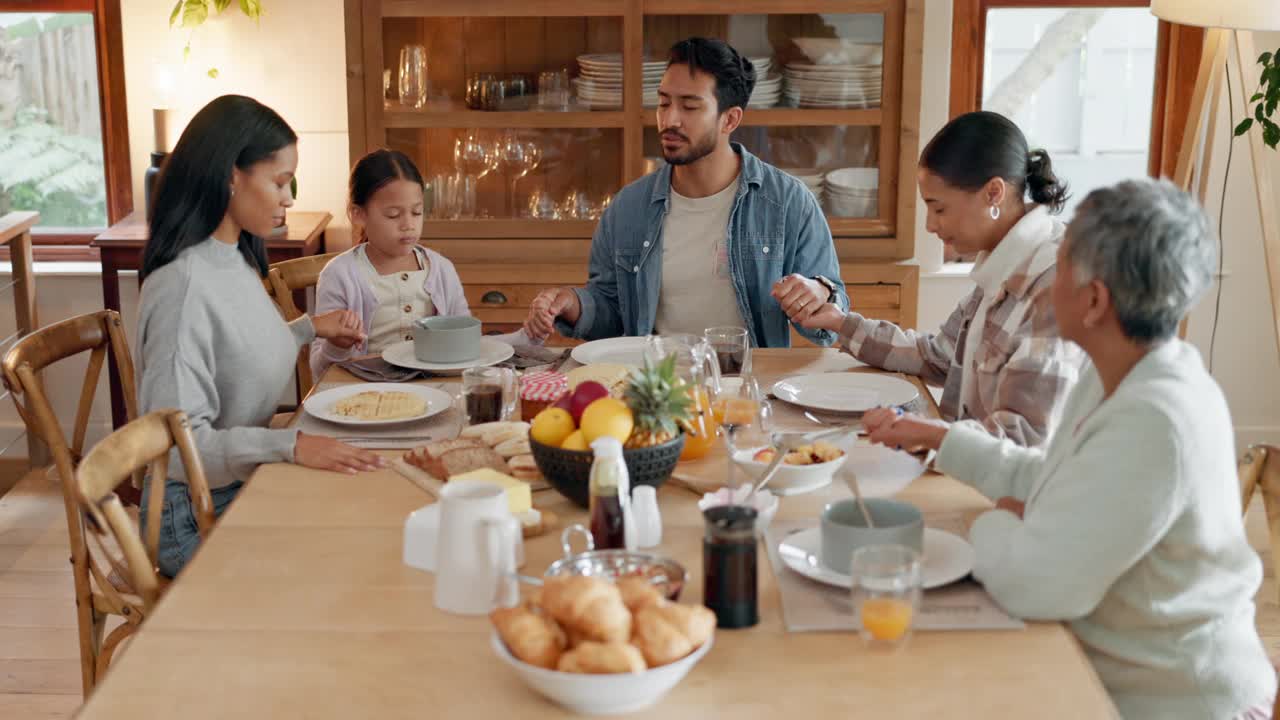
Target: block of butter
[[519, 494]]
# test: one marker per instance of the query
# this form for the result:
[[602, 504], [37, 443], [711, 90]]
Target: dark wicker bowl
[[569, 471]]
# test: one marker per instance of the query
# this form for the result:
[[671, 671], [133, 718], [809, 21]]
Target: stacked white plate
[[852, 192], [833, 86], [811, 177], [767, 93], [599, 86]]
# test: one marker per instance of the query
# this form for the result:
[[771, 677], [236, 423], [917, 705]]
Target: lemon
[[607, 416], [575, 441], [552, 426]]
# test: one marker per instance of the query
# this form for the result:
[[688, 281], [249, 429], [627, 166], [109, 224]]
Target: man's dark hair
[[735, 75]]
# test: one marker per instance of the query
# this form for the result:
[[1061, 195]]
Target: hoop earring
[[995, 212], [233, 192]]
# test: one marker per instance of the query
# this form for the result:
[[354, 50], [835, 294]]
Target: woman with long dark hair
[[998, 357], [211, 342]]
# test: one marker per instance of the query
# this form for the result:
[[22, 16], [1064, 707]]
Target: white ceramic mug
[[476, 551]]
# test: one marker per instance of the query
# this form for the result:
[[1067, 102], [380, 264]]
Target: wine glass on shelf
[[474, 156], [520, 157]]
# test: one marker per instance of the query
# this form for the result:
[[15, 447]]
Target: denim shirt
[[775, 229]]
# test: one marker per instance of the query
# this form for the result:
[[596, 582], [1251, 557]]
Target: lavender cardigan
[[343, 285]]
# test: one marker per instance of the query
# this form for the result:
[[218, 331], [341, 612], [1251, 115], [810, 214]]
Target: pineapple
[[659, 401]]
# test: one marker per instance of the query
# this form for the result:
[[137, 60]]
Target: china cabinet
[[526, 116]]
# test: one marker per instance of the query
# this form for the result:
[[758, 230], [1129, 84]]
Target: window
[[63, 133], [1090, 81]]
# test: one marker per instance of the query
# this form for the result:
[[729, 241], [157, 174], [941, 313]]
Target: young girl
[[388, 279]]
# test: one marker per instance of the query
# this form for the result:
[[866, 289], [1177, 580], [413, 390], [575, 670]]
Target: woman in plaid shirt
[[998, 357]]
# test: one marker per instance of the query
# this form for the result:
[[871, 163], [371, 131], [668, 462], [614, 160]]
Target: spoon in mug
[[851, 479]]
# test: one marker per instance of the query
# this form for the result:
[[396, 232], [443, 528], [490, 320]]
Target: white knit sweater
[[1132, 533]]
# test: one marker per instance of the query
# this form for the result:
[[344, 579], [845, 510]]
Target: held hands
[[326, 453], [340, 327], [910, 432], [546, 307], [805, 303]]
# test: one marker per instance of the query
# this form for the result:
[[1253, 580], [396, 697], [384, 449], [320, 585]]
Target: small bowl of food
[[805, 469]]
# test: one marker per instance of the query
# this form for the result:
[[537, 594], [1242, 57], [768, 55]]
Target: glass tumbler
[[886, 594], [413, 76]]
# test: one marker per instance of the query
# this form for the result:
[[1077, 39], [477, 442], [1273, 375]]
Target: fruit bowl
[[601, 694], [569, 471]]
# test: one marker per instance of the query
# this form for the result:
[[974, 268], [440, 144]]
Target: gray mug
[[843, 529], [446, 339]]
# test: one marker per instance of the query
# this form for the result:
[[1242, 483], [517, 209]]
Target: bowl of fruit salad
[[805, 469]]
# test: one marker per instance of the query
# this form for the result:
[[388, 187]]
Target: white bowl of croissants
[[602, 648]]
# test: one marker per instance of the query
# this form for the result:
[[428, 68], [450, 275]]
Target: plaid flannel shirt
[[1023, 369]]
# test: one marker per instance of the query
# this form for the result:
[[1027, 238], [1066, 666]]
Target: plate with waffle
[[376, 404]]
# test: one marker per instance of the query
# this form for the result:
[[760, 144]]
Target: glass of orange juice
[[886, 594], [700, 433]]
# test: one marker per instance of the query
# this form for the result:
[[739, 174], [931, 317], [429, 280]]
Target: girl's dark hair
[[376, 170], [194, 188], [978, 146]]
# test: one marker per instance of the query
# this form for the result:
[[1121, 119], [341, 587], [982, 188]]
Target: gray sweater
[[211, 343]]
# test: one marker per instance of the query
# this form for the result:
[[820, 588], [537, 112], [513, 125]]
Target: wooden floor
[[39, 662]]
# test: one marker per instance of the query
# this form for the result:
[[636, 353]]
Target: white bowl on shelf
[[838, 51], [601, 694]]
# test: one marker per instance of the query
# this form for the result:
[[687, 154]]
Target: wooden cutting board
[[433, 487]]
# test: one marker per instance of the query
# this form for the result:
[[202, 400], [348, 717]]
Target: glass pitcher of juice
[[697, 367]]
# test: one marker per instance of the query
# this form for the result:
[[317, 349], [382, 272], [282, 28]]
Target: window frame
[[72, 244], [1177, 59]]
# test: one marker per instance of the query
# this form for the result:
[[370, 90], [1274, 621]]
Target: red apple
[[563, 402], [586, 393]]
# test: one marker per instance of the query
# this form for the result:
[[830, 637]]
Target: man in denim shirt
[[716, 237]]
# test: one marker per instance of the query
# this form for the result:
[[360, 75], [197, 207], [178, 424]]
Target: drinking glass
[[520, 158], [474, 155], [553, 89], [488, 394], [732, 346], [453, 196], [413, 76], [886, 594], [542, 206]]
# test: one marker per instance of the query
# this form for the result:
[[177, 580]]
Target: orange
[[607, 416], [886, 619], [552, 426], [575, 441]]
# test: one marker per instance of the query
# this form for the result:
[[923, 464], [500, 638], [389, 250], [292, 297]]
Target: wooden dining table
[[299, 606]]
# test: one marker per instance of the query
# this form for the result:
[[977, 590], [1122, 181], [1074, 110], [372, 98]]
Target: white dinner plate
[[947, 558], [320, 405], [627, 351], [492, 352], [845, 392]]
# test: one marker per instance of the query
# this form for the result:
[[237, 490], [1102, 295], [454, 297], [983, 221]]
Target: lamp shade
[[1235, 14]]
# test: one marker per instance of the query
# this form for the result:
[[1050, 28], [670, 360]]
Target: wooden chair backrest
[[283, 278], [1259, 472], [97, 334], [142, 444]]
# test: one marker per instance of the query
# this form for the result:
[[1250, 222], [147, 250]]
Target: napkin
[[810, 606]]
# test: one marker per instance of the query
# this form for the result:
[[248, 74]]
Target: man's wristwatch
[[830, 286]]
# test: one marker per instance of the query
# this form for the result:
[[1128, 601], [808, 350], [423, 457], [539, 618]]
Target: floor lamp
[[1227, 21]]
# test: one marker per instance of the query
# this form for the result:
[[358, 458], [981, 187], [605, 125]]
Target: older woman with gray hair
[[1128, 524]]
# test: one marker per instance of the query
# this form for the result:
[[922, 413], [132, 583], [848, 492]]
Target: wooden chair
[[283, 280], [1259, 471], [97, 597], [143, 443]]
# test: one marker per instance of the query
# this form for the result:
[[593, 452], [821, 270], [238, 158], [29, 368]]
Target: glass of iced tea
[[886, 594]]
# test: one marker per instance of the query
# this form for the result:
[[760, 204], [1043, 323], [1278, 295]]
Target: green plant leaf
[[1271, 106], [213, 73], [194, 13], [1271, 135], [1243, 127], [177, 11], [251, 8], [220, 5], [186, 53], [1256, 97], [1264, 58], [1257, 112]]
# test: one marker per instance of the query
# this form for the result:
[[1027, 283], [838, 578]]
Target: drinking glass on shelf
[[542, 206], [520, 158], [413, 76], [474, 156], [886, 594], [732, 346], [553, 89], [453, 196]]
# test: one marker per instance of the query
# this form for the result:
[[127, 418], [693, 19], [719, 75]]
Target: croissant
[[638, 592], [602, 659], [590, 608], [530, 636], [695, 622], [666, 632]]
